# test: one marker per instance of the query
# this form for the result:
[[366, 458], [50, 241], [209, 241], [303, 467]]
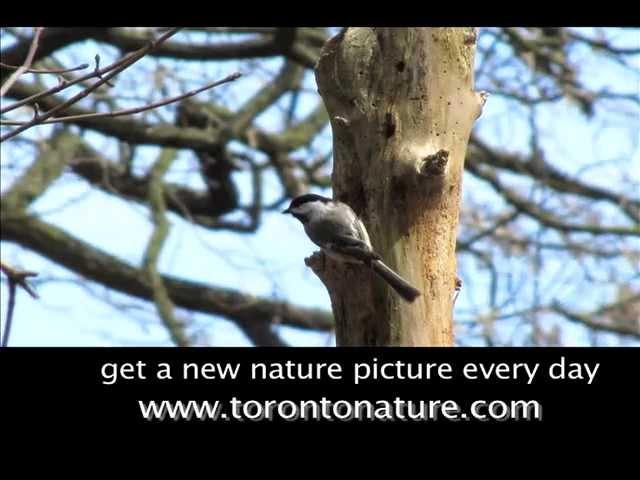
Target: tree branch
[[274, 145], [262, 334], [52, 39], [267, 45], [290, 76], [48, 70], [96, 265], [128, 60], [603, 45], [47, 167], [544, 217], [136, 132], [25, 66], [539, 169], [198, 206], [64, 84], [15, 278], [587, 320], [131, 111], [160, 296]]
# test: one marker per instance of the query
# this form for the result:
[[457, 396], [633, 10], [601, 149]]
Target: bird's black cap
[[307, 197]]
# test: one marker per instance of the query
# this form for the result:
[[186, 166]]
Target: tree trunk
[[402, 105]]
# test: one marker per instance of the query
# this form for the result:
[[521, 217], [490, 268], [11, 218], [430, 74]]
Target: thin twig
[[131, 111], [130, 60], [15, 278], [97, 70], [26, 65], [47, 70], [64, 84]]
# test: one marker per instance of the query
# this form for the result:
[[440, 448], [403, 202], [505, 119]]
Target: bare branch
[[303, 48], [43, 171], [15, 278], [62, 86], [199, 207], [541, 170], [546, 218], [500, 222], [19, 277], [289, 76], [25, 66], [129, 60], [96, 265], [48, 70], [52, 39], [262, 334], [587, 320], [161, 298], [604, 45], [199, 139], [131, 111]]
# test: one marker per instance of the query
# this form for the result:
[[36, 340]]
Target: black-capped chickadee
[[334, 227]]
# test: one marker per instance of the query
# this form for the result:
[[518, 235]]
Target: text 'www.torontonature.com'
[[237, 410]]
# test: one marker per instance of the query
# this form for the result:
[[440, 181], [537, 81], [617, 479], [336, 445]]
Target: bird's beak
[[286, 211]]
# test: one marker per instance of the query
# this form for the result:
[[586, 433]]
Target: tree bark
[[401, 105]]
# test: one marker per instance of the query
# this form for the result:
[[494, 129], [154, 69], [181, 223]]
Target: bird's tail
[[395, 281]]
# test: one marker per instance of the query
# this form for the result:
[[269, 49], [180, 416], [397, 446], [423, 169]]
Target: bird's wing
[[362, 233], [338, 225], [341, 231], [353, 225]]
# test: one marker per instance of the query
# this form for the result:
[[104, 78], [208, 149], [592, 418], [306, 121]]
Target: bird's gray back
[[336, 221]]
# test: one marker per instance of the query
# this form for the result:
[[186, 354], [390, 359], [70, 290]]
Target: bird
[[339, 232]]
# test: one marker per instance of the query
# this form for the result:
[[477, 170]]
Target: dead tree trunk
[[402, 105]]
